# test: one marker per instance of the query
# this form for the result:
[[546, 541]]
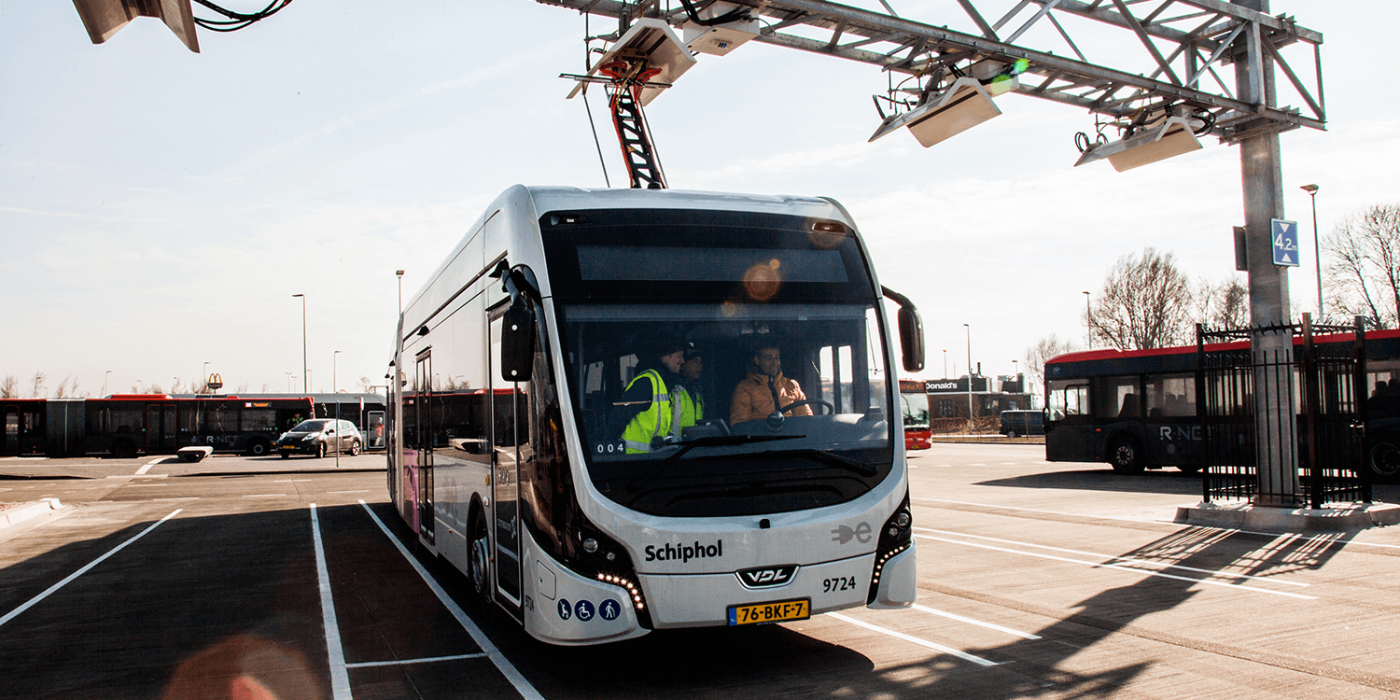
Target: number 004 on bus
[[779, 611]]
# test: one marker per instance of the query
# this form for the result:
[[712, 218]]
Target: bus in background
[[125, 425], [517, 474], [1137, 409], [913, 407]]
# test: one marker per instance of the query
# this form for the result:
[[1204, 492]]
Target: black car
[[321, 436], [1014, 423]]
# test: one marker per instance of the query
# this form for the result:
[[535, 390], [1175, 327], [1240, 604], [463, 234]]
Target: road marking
[[503, 664], [1128, 560], [908, 638], [356, 491], [1038, 510], [979, 623], [458, 657], [340, 677], [1120, 567], [35, 600], [264, 495], [148, 466]]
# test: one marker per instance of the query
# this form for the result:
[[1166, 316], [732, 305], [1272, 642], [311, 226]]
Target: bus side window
[[1068, 400]]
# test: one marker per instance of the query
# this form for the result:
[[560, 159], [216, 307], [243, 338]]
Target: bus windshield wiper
[[830, 458], [713, 441]]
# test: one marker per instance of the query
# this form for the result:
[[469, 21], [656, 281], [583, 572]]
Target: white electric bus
[[506, 454]]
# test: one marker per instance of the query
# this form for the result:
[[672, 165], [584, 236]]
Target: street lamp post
[[305, 382], [399, 274], [104, 382], [1312, 194], [945, 364], [205, 374], [969, 378], [333, 370], [1088, 324]]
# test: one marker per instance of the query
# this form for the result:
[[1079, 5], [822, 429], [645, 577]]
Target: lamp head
[[1310, 189]]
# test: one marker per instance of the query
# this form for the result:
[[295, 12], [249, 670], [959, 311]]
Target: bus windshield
[[816, 323]]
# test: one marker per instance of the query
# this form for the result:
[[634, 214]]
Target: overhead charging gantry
[[1166, 84]]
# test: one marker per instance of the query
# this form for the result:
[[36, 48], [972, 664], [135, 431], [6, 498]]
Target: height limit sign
[[1285, 237]]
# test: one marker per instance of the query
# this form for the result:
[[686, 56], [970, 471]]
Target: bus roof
[[1115, 354]]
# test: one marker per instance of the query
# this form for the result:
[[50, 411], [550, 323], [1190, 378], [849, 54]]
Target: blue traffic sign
[[1285, 237]]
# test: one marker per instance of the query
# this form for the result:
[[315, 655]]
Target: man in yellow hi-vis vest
[[649, 393]]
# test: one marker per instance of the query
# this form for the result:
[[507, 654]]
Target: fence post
[[1310, 400], [1201, 410], [1361, 419]]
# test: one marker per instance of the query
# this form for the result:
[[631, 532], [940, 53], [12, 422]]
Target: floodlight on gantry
[[719, 39], [1172, 137], [963, 105], [103, 18], [651, 40]]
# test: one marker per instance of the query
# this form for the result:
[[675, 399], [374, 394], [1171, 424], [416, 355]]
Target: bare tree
[[1363, 265], [1044, 349], [37, 386], [9, 388], [68, 388], [1222, 305], [1145, 303]]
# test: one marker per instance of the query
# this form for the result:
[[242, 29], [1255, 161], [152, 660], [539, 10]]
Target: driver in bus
[[648, 399], [765, 390]]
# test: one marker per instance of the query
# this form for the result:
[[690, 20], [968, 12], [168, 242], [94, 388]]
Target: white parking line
[[1120, 567], [403, 662], [33, 601], [148, 466], [979, 623], [503, 664], [910, 638], [340, 677], [1126, 560]]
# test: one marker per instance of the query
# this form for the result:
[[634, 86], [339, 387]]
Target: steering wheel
[[830, 409]]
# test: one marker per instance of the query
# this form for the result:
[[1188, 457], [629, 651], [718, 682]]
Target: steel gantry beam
[[1181, 47]]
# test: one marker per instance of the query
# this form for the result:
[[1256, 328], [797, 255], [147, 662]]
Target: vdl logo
[[767, 576]]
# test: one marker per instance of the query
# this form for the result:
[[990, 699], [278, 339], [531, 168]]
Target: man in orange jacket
[[765, 390]]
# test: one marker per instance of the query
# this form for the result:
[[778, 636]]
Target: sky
[[160, 208]]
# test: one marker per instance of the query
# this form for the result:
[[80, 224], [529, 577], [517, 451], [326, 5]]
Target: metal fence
[[1315, 444]]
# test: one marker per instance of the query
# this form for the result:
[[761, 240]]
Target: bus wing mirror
[[517, 343], [911, 331]]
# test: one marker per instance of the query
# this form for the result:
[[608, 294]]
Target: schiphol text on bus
[[743, 347]]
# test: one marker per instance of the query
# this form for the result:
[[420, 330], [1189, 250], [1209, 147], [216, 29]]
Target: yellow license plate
[[765, 613]]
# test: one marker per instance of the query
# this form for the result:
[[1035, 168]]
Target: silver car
[[320, 436]]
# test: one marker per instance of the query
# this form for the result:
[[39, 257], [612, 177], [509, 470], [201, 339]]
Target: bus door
[[423, 413], [11, 444], [160, 428], [374, 430], [506, 399]]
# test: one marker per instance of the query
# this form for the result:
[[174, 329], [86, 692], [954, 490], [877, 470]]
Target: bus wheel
[[1383, 459], [258, 448], [123, 449], [479, 562], [1125, 456]]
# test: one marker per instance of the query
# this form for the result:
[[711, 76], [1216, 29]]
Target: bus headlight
[[895, 537]]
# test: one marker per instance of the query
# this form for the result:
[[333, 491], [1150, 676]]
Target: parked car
[[1015, 423], [321, 436]]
